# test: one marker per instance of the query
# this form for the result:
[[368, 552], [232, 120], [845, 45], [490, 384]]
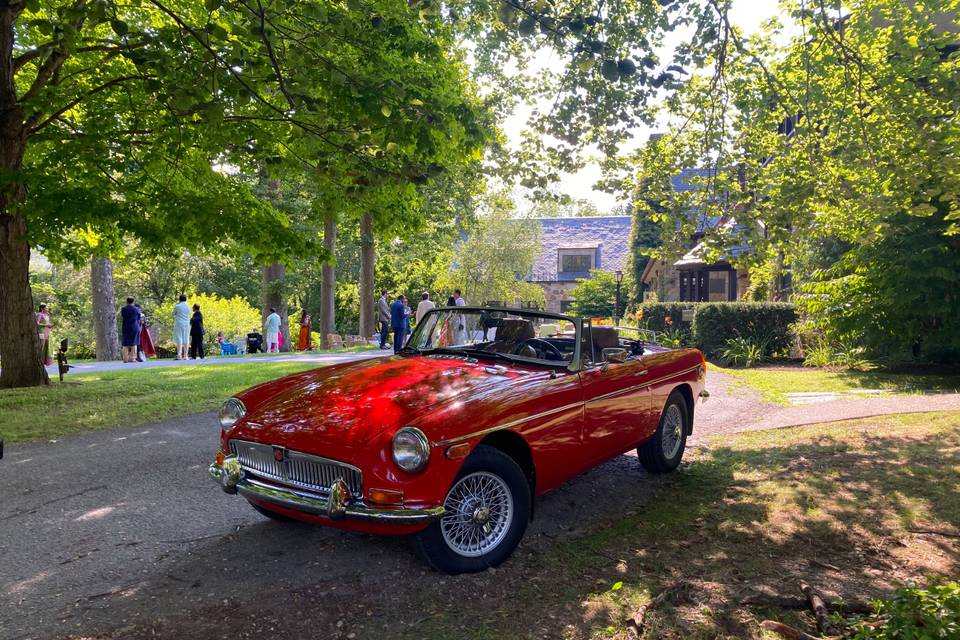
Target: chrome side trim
[[335, 508], [507, 425], [519, 421]]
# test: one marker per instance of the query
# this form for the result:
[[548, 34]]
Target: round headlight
[[231, 412], [411, 449]]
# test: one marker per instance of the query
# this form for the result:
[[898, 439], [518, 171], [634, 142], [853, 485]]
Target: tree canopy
[[846, 138]]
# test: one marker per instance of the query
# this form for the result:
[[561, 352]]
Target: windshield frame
[[575, 363]]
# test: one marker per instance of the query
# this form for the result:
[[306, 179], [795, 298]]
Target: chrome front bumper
[[337, 506]]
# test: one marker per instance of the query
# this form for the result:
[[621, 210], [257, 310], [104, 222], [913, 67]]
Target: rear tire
[[662, 453], [488, 508]]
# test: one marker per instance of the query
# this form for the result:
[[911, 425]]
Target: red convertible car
[[451, 440]]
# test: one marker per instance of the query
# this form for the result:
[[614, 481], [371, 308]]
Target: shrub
[[915, 612], [763, 323], [743, 352], [234, 316], [845, 355], [819, 354], [673, 338]]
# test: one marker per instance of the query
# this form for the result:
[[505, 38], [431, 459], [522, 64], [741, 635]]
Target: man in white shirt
[[181, 327], [460, 328], [425, 305]]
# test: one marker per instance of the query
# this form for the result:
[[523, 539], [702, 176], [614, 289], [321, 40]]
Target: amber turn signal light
[[386, 496], [457, 451], [219, 458]]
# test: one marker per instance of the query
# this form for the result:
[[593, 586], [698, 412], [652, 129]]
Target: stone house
[[571, 247], [691, 277]]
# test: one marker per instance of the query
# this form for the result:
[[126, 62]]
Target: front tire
[[662, 453], [487, 510]]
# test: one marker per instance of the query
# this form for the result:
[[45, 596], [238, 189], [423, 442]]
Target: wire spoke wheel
[[479, 511], [671, 436]]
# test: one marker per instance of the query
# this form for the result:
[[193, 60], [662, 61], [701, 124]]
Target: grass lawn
[[748, 513], [774, 382], [92, 401], [354, 349]]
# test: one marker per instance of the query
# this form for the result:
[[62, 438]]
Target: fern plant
[[743, 352]]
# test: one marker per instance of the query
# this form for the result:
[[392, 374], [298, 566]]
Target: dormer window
[[576, 259]]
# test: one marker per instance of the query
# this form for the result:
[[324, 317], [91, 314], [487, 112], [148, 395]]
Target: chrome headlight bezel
[[410, 449], [231, 412]]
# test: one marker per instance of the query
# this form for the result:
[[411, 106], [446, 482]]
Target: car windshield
[[496, 334]]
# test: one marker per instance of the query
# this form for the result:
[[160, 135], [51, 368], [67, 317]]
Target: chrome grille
[[296, 469]]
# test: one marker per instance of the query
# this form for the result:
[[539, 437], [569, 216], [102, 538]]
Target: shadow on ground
[[736, 519]]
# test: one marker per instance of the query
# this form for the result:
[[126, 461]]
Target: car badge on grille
[[279, 453]]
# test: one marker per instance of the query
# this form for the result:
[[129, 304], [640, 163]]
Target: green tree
[[596, 296], [845, 138], [112, 116], [492, 261]]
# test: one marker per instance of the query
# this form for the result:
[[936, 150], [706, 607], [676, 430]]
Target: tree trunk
[[19, 341], [104, 308], [274, 296], [367, 257], [328, 283]]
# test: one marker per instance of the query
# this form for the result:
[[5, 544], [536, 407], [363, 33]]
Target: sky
[[746, 14]]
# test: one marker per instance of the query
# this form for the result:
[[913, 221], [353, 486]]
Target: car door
[[616, 398]]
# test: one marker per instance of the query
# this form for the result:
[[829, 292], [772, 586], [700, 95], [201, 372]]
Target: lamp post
[[616, 309]]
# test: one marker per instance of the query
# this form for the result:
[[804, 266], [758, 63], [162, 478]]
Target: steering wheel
[[539, 345]]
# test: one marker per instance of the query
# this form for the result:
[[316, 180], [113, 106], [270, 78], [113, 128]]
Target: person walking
[[196, 334], [44, 327], [426, 304], [129, 331], [181, 327], [383, 314], [303, 342], [398, 322], [272, 328]]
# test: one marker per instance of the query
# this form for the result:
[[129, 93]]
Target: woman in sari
[[147, 348], [44, 327], [303, 343]]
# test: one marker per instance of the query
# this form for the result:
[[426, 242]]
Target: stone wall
[[555, 293]]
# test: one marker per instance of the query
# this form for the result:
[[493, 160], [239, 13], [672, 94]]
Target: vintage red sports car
[[450, 440]]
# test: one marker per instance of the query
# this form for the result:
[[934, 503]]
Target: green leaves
[[119, 27]]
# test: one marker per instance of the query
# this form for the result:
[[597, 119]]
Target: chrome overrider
[[338, 505]]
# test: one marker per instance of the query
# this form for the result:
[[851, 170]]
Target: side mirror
[[614, 355]]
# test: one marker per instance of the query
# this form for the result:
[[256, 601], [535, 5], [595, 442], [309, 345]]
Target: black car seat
[[603, 338], [511, 333]]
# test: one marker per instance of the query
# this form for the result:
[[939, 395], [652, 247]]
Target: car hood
[[351, 405]]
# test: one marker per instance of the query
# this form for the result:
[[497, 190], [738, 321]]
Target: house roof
[[609, 236], [737, 246]]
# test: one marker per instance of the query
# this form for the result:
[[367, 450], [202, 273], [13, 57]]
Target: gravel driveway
[[121, 533]]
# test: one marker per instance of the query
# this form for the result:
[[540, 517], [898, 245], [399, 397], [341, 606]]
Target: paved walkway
[[306, 356], [734, 408], [112, 531]]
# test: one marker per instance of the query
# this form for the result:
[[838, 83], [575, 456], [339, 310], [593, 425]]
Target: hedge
[[764, 322], [655, 314], [716, 322]]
